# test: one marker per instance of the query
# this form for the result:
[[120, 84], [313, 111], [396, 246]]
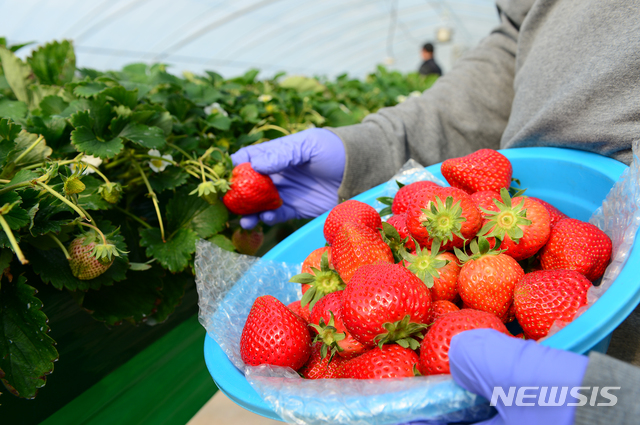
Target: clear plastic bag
[[228, 283]]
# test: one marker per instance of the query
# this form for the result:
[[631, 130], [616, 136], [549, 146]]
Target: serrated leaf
[[149, 137], [23, 176], [86, 142], [89, 89], [16, 217], [54, 63], [223, 242], [153, 115], [27, 353], [170, 178], [122, 96], [219, 121], [13, 109], [51, 128], [175, 253], [192, 211], [142, 89], [53, 105], [249, 113], [17, 74], [9, 130], [23, 142], [202, 94]]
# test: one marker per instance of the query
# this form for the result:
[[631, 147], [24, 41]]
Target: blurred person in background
[[429, 66], [560, 73]]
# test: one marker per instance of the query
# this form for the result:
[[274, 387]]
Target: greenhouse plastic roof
[[326, 37]]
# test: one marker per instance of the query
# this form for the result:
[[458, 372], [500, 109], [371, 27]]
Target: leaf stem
[[134, 217], [104, 239], [57, 241], [12, 240], [29, 149], [153, 196], [141, 155], [63, 199], [15, 186], [116, 162], [199, 163], [4, 181], [179, 149]]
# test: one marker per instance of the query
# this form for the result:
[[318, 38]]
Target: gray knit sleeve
[[465, 110], [623, 382]]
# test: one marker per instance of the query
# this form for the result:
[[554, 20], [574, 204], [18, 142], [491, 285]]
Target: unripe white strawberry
[[90, 255]]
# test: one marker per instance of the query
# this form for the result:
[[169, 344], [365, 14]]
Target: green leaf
[[17, 74], [202, 94], [13, 109], [192, 211], [173, 287], [170, 178], [23, 143], [9, 130], [90, 198], [51, 128], [179, 106], [249, 113], [175, 253], [223, 242], [23, 176], [149, 137], [89, 89], [5, 259], [16, 217], [122, 96], [154, 115], [142, 89], [86, 142], [219, 121], [53, 105], [27, 353], [302, 84], [54, 63]]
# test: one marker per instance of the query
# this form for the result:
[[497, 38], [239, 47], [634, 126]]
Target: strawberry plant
[[108, 179]]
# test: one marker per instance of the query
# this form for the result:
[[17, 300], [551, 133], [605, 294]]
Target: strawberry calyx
[[508, 220], [392, 238], [329, 336], [425, 264], [402, 332], [110, 192], [322, 281], [479, 247], [444, 219]]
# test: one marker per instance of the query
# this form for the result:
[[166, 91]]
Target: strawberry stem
[[57, 241], [153, 196], [29, 149], [73, 206], [12, 240], [104, 239]]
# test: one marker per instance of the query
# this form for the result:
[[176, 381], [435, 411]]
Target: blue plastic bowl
[[576, 182]]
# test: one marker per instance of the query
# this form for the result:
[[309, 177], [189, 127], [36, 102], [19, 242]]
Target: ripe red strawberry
[[319, 282], [404, 195], [247, 242], [385, 303], [442, 307], [487, 279], [388, 361], [313, 260], [555, 215], [438, 270], [434, 350], [399, 222], [576, 245], [484, 198], [485, 169], [326, 320], [356, 245], [300, 311], [350, 211], [545, 296], [319, 367], [521, 223], [274, 335], [445, 213], [250, 192], [91, 255]]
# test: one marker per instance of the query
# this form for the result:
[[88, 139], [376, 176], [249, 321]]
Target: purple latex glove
[[306, 168], [482, 359]]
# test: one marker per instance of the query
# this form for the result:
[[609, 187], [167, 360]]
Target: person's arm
[[623, 381], [465, 110]]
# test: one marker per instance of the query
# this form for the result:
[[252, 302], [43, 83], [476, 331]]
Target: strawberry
[[545, 296], [356, 245], [438, 270], [521, 223], [319, 367], [442, 307], [250, 192], [445, 213], [399, 222], [388, 361], [313, 260], [555, 215], [484, 198], [485, 169], [274, 335], [350, 211], [386, 303], [326, 320], [487, 278], [434, 350], [247, 242], [91, 254], [404, 195], [576, 245], [320, 282], [297, 308]]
